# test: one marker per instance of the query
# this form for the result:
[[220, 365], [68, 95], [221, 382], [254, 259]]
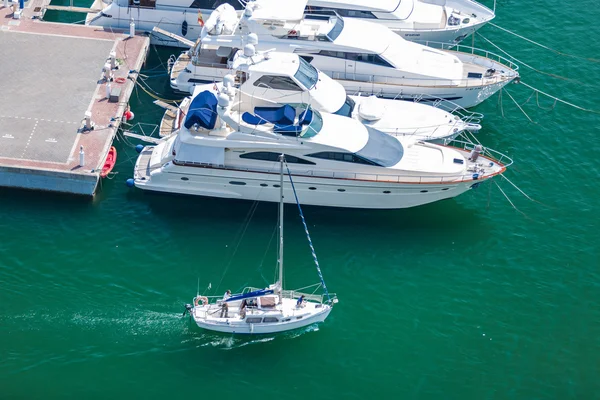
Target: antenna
[[198, 288]]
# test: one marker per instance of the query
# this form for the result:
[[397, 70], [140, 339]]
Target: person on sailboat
[[301, 302], [243, 309], [225, 306]]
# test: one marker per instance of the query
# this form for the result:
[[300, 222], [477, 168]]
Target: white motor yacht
[[287, 78], [229, 148], [446, 21], [364, 57]]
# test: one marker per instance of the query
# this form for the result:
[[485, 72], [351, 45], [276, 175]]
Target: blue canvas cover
[[256, 293], [202, 111]]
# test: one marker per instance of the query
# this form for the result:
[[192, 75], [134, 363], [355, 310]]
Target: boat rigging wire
[[314, 254], [561, 53]]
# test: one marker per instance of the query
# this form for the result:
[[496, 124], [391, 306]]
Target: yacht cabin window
[[277, 82], [343, 12], [212, 4], [271, 156], [346, 108], [307, 75], [375, 59], [340, 156]]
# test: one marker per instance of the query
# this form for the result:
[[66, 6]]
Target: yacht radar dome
[[249, 50], [252, 38], [228, 80], [223, 100]]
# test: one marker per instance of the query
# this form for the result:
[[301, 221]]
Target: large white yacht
[[230, 149], [447, 21], [287, 78], [364, 57]]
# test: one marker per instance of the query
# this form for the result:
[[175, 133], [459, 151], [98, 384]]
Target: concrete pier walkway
[[50, 76]]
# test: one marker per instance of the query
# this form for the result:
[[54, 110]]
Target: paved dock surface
[[51, 75]]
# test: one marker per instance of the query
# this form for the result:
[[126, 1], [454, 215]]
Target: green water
[[462, 299]]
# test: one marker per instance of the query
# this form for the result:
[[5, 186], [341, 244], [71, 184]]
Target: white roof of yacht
[[277, 9], [363, 5], [279, 63], [342, 132], [365, 35]]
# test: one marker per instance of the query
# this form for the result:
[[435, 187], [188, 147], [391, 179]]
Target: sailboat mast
[[280, 226]]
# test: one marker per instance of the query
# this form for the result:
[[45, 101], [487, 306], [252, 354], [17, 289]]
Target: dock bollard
[[107, 90], [88, 120], [113, 60], [81, 157], [131, 28]]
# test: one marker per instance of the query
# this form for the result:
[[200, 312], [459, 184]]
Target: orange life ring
[[198, 298], [120, 80]]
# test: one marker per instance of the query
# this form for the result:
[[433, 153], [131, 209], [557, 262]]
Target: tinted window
[[277, 82], [307, 75], [270, 319], [339, 156], [382, 149], [362, 57], [253, 320], [343, 12], [336, 30], [271, 156], [212, 4], [347, 108]]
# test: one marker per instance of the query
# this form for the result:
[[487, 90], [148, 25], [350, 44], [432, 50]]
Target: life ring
[[198, 298], [293, 32], [120, 79]]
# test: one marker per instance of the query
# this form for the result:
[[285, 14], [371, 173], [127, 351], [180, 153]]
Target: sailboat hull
[[238, 326]]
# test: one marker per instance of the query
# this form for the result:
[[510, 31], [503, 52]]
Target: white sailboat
[[448, 21], [364, 57], [269, 310], [288, 78]]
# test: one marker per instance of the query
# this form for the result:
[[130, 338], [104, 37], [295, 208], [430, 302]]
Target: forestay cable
[[312, 249]]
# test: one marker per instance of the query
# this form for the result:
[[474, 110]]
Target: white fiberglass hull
[[238, 326], [356, 191]]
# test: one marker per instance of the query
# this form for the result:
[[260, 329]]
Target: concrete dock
[[50, 76]]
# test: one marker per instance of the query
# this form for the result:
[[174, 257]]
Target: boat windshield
[[347, 108], [314, 127], [307, 75], [336, 30], [385, 150]]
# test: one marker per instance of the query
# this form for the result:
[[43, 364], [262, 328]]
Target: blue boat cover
[[283, 115], [256, 293], [202, 111]]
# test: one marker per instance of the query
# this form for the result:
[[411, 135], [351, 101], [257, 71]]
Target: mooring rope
[[527, 65], [543, 46], [556, 99], [520, 108]]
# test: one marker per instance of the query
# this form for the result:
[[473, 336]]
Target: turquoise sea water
[[462, 299]]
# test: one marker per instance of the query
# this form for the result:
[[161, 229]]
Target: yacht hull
[[356, 191]]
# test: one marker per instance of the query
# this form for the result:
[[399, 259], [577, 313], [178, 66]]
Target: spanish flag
[[200, 20]]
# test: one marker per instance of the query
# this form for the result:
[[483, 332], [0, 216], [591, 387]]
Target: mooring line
[[520, 108], [560, 100], [543, 46], [527, 65]]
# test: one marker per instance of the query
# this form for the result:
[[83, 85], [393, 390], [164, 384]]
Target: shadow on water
[[447, 215]]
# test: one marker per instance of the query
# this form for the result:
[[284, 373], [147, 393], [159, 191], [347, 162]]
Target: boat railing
[[494, 155], [464, 49], [371, 81], [467, 116]]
